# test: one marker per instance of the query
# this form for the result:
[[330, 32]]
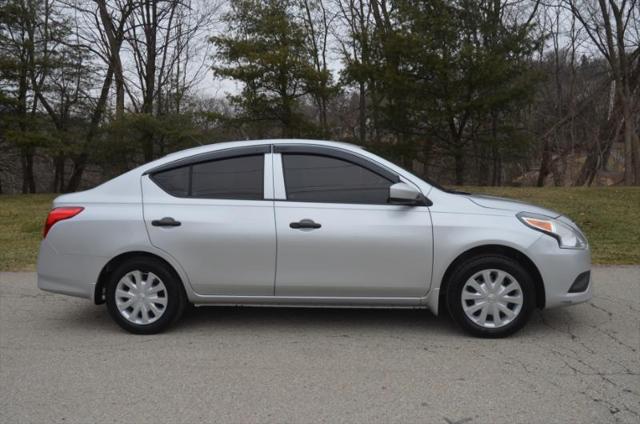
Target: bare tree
[[100, 30], [612, 26], [317, 22], [354, 39], [163, 37]]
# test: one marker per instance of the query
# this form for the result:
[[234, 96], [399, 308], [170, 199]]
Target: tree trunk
[[119, 84], [28, 180], [426, 157], [375, 113], [459, 165], [545, 163], [114, 40], [628, 137], [287, 116], [79, 165], [496, 157], [150, 30], [481, 170], [363, 115], [147, 147], [57, 184], [636, 155], [609, 132], [496, 178], [631, 144], [323, 117], [80, 161]]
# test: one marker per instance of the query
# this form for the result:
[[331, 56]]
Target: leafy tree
[[450, 72], [27, 28], [265, 48]]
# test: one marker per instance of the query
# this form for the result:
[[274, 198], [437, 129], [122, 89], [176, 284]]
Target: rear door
[[337, 234], [209, 212]]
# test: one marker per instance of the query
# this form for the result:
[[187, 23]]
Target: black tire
[[176, 298], [470, 267]]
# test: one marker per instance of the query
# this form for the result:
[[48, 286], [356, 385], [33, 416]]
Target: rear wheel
[[491, 296], [144, 296]]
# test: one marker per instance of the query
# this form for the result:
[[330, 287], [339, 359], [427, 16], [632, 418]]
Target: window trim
[[210, 156], [333, 153], [337, 154], [189, 163]]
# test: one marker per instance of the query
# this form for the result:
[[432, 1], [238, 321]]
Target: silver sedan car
[[306, 223]]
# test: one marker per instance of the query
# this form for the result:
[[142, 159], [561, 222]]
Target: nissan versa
[[302, 222]]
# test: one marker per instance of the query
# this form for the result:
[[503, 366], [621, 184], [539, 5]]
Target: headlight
[[568, 237]]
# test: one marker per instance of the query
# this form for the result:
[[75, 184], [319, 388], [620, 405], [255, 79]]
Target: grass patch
[[21, 221], [608, 216]]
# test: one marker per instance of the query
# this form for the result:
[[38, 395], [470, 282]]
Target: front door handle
[[167, 221], [305, 223]]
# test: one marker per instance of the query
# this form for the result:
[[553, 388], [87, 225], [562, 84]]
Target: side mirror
[[404, 194]]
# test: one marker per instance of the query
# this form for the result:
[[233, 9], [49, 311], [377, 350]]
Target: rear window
[[233, 178], [238, 177]]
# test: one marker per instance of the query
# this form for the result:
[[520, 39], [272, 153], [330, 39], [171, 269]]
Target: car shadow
[[346, 321], [316, 318], [356, 320]]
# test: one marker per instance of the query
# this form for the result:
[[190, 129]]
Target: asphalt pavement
[[62, 360]]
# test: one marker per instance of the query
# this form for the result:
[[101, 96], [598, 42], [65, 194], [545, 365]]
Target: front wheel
[[491, 296], [144, 296]]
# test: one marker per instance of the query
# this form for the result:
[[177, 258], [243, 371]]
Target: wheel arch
[[98, 296], [502, 250]]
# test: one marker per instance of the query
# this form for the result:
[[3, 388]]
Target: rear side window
[[234, 178], [230, 178], [174, 181], [315, 178]]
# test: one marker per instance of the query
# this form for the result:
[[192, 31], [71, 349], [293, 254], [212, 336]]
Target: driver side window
[[326, 179]]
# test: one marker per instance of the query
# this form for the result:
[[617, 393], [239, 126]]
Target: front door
[[212, 217], [337, 234]]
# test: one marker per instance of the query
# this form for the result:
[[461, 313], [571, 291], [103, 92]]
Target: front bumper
[[559, 269], [73, 275]]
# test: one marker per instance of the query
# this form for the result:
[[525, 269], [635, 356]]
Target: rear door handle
[[167, 221], [305, 223]]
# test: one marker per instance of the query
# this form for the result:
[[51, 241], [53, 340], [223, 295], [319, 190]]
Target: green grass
[[21, 222], [609, 216]]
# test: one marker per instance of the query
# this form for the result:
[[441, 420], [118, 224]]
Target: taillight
[[59, 214]]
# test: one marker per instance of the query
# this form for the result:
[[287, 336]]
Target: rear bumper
[[72, 275], [559, 269]]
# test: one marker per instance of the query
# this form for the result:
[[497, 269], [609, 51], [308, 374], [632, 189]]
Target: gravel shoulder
[[63, 360]]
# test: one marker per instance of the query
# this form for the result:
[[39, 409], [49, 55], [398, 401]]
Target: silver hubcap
[[141, 297], [492, 298]]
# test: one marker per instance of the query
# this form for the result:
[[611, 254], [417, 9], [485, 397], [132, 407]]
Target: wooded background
[[486, 92]]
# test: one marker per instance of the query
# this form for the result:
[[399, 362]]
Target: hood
[[494, 202]]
